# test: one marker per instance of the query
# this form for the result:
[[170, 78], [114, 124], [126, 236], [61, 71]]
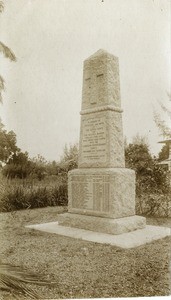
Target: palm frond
[[165, 109], [1, 6], [2, 83], [7, 52], [11, 284], [2, 87], [161, 124], [169, 95], [15, 278]]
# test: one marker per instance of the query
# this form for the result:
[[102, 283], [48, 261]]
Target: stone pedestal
[[102, 200], [101, 192]]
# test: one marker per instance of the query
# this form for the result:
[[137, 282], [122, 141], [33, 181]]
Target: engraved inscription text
[[93, 146], [91, 192]]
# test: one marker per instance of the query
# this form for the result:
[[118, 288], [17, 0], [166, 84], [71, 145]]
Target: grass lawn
[[83, 269]]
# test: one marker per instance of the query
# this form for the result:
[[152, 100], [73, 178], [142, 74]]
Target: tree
[[137, 157], [8, 145], [52, 168], [164, 128], [150, 177], [164, 152], [39, 166], [140, 140], [7, 140], [69, 159], [18, 166], [7, 52], [16, 163]]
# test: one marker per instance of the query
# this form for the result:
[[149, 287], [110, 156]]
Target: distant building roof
[[166, 161], [165, 141]]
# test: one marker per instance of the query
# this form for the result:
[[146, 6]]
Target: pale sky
[[52, 38]]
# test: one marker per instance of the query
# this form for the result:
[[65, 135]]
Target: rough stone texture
[[105, 225], [102, 192], [125, 240], [101, 140], [101, 84], [101, 134]]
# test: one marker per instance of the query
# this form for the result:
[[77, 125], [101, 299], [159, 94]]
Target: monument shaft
[[101, 136]]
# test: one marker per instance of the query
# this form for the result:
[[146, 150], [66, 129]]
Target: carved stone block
[[102, 192], [104, 225]]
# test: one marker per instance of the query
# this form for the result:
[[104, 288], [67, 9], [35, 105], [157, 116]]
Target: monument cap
[[100, 52], [101, 84]]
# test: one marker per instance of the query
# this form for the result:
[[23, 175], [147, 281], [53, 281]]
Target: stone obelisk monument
[[101, 191]]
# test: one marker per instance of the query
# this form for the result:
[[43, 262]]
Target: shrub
[[18, 166], [150, 177], [15, 195], [61, 193], [158, 205], [152, 181], [69, 159]]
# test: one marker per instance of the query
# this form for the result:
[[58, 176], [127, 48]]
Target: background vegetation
[[152, 180], [32, 183]]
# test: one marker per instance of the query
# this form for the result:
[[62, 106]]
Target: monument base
[[103, 225], [102, 192]]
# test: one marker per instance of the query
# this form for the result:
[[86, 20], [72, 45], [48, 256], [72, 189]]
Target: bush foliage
[[150, 177], [33, 183], [152, 181], [16, 195]]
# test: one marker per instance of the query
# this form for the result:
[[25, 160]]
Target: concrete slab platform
[[126, 240]]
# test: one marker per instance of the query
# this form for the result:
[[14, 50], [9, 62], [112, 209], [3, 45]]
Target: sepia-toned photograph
[[85, 149]]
